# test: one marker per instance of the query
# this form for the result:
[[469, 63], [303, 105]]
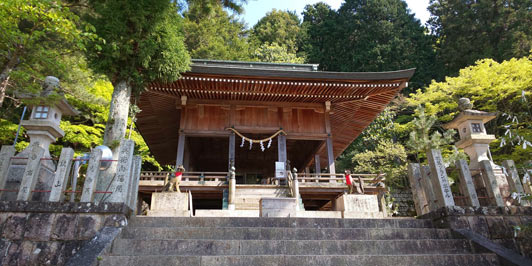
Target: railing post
[[296, 188], [420, 200], [61, 174], [513, 179], [232, 189], [120, 184], [133, 190], [438, 176], [6, 153], [93, 171], [492, 187], [31, 173], [466, 183]]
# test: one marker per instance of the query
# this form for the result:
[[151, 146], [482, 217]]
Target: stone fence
[[489, 201], [49, 215], [30, 176]]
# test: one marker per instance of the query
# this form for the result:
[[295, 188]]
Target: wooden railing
[[187, 176]]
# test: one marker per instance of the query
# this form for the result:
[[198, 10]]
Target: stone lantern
[[42, 126], [473, 136]]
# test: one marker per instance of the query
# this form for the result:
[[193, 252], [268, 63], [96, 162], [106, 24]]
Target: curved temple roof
[[356, 97]]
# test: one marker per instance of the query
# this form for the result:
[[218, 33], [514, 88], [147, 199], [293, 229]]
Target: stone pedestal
[[358, 206], [278, 207], [169, 204]]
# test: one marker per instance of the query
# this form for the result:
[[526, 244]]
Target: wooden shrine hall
[[207, 119]]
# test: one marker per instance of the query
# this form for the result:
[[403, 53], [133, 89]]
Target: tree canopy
[[471, 30]]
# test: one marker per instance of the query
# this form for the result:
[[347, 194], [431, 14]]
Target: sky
[[256, 9]]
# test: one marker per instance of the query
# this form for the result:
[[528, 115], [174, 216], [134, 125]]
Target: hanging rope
[[244, 138]]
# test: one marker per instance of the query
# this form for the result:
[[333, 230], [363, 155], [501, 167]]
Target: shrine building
[[259, 116]]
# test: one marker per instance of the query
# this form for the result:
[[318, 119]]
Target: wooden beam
[[301, 105], [330, 156]]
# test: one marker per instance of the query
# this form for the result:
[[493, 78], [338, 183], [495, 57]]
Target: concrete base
[[169, 204], [278, 207], [358, 206], [319, 214], [227, 213]]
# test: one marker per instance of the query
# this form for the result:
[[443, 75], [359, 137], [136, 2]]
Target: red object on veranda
[[348, 179]]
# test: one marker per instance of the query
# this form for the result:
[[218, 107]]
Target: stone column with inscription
[[438, 177], [61, 174], [466, 184], [92, 176], [414, 177], [120, 184]]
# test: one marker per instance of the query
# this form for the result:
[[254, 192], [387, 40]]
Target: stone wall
[[403, 202], [49, 233], [494, 223]]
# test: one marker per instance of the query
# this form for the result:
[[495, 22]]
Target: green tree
[[424, 137], [36, 36], [380, 35], [388, 158], [471, 30], [142, 43], [275, 53], [214, 35], [492, 87], [280, 27]]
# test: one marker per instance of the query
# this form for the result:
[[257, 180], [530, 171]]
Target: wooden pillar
[[180, 150], [330, 156], [330, 151], [231, 151], [466, 184], [438, 176], [281, 147], [317, 164]]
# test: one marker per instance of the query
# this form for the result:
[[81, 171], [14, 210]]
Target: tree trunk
[[4, 78], [115, 129]]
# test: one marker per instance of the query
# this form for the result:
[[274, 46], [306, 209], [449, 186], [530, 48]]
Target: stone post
[[513, 179], [31, 173], [134, 184], [93, 171], [6, 153], [61, 175], [120, 185], [232, 189], [492, 187], [428, 189], [466, 184], [420, 201], [440, 183]]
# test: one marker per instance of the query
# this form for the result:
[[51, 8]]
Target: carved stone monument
[[169, 204]]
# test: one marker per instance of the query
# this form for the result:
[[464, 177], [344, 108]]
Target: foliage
[[421, 140], [216, 35], [142, 41], [274, 53], [279, 27], [492, 87], [364, 35], [471, 30], [388, 157], [36, 37]]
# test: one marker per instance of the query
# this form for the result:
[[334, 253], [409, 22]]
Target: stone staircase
[[290, 241], [247, 197]]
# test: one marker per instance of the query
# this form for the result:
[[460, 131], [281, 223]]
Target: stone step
[[144, 221], [352, 260], [269, 233], [140, 247]]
